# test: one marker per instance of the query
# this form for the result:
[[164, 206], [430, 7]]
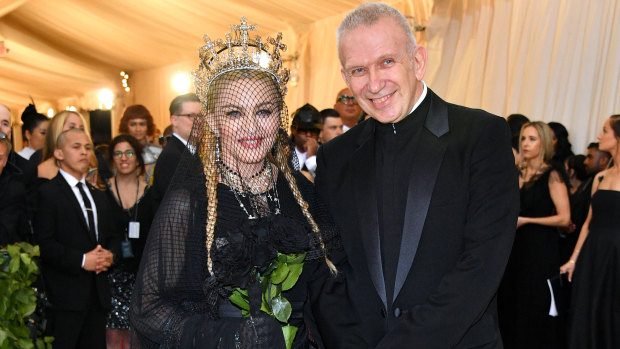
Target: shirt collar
[[422, 96], [183, 140], [72, 181]]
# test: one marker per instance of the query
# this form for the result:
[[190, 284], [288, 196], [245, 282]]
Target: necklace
[[260, 188]]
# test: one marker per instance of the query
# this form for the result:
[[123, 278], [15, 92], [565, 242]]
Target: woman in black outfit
[[129, 192], [524, 298], [594, 265]]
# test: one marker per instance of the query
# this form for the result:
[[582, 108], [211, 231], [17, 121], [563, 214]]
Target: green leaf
[[279, 274], [238, 299], [295, 258], [293, 276], [3, 336], [25, 258], [14, 265], [13, 250], [289, 335], [281, 309]]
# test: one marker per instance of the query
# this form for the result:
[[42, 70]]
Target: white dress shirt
[[73, 184]]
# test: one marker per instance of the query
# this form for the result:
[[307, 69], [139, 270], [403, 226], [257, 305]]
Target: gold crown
[[239, 51]]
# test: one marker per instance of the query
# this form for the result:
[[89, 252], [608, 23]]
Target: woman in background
[[129, 195], [62, 121], [524, 300], [595, 263], [33, 130], [137, 121]]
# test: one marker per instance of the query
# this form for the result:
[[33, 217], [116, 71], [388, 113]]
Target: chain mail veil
[[236, 174]]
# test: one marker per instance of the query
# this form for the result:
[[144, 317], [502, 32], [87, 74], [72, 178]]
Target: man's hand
[[311, 147], [98, 260]]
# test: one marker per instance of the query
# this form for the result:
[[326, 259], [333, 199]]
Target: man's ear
[[419, 62], [58, 154]]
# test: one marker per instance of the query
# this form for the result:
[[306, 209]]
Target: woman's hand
[[521, 221], [569, 268]]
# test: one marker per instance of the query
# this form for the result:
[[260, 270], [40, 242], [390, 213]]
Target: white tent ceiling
[[63, 48]]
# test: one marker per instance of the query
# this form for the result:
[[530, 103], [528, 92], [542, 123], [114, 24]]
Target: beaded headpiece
[[239, 51]]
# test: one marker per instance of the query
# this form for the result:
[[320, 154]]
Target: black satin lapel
[[362, 165], [70, 197], [424, 168]]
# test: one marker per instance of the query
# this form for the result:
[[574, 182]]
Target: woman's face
[[137, 128], [36, 138], [530, 143], [607, 138], [125, 160], [72, 121], [247, 118]]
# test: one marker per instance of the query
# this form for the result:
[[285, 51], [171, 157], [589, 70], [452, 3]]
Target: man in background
[[347, 107], [305, 130], [596, 160], [331, 125], [78, 244], [184, 109]]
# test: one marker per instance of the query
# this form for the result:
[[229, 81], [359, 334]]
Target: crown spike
[[239, 51]]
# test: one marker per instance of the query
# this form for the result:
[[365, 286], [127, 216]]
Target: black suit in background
[[79, 298], [460, 204], [165, 166], [13, 226]]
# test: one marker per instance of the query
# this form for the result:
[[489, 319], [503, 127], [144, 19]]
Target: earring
[[218, 160]]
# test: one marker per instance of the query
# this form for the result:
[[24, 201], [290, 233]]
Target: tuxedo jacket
[[61, 230], [165, 167], [459, 225]]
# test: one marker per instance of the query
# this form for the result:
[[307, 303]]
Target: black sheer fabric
[[177, 302]]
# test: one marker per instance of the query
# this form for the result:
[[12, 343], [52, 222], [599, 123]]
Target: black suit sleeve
[[162, 174], [334, 315], [54, 252], [465, 292], [110, 236], [12, 212]]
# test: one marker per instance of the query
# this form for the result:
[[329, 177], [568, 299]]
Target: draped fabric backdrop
[[550, 60]]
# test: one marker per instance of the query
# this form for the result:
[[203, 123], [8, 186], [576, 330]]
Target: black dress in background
[[122, 274], [595, 306], [524, 298]]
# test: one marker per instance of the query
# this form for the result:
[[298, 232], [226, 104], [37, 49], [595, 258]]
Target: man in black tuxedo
[[74, 229], [183, 110], [425, 195]]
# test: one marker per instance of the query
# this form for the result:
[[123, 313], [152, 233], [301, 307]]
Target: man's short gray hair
[[367, 14]]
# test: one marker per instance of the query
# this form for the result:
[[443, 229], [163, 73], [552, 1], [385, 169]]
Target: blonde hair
[[54, 129], [208, 156], [546, 139]]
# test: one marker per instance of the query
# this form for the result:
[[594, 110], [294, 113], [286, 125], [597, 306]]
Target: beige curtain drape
[[550, 60]]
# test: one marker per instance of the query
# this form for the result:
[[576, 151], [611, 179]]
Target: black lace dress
[[595, 304], [524, 298], [176, 303]]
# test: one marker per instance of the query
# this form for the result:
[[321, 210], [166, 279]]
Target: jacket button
[[383, 312], [397, 312]]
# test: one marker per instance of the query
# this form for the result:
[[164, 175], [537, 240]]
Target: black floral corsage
[[262, 254]]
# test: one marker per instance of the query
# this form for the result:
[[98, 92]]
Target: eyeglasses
[[344, 99], [191, 116], [128, 153]]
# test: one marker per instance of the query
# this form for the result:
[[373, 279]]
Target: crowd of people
[[414, 225]]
